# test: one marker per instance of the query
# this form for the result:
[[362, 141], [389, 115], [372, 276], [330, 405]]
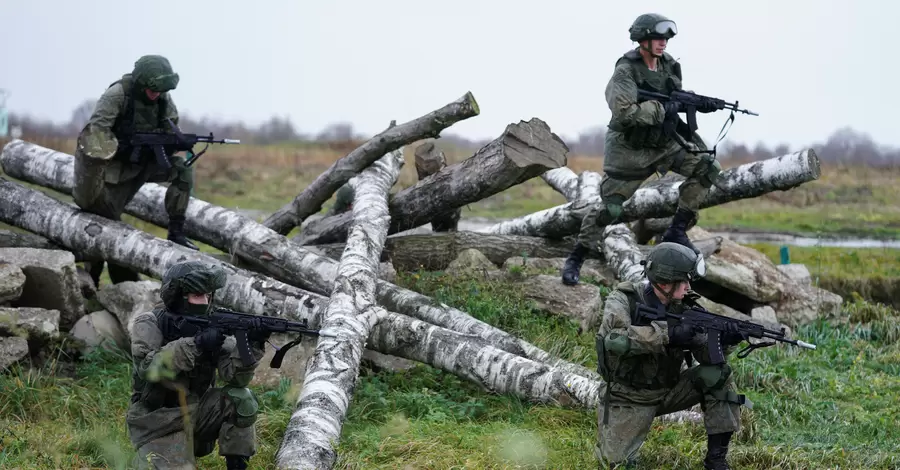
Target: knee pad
[[708, 171], [612, 210], [246, 407], [711, 377]]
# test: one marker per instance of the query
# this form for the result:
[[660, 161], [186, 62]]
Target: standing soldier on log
[[640, 141], [174, 378], [106, 178], [641, 363]]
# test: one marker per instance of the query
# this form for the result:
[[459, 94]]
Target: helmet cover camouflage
[[652, 26], [189, 277], [670, 262], [155, 73]]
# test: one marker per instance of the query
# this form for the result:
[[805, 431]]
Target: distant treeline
[[844, 145]]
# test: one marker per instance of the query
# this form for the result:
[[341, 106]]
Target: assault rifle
[[691, 101], [713, 325], [166, 143], [239, 325]]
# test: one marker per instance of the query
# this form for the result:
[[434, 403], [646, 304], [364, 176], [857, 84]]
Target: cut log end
[[533, 143]]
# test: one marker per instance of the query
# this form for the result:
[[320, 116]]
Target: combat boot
[[176, 233], [716, 450], [677, 231], [236, 462], [572, 268]]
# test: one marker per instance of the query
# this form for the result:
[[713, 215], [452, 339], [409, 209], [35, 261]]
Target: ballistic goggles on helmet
[[163, 83], [666, 28]]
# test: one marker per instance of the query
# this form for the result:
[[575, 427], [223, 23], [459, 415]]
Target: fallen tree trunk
[[266, 250], [397, 334], [314, 429], [660, 199], [435, 251], [430, 160], [523, 151], [310, 200], [622, 253], [11, 239], [573, 186]]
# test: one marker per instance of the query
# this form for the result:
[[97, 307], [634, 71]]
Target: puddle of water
[[738, 237]]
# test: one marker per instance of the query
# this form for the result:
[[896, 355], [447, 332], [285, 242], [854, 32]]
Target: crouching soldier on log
[[640, 141], [177, 413], [106, 178], [642, 363]]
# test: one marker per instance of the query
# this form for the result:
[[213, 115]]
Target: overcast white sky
[[807, 67]]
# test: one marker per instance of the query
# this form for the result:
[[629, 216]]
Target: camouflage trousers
[[626, 169], [99, 189], [631, 411], [163, 443]]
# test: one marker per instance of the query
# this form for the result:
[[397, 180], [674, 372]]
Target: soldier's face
[[151, 95], [680, 290], [658, 46], [198, 299]]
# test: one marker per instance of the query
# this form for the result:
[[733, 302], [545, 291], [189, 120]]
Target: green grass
[[834, 407]]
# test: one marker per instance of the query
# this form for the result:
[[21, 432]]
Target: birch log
[[262, 248], [523, 151], [123, 244], [310, 200], [573, 186], [315, 427], [661, 199], [622, 253]]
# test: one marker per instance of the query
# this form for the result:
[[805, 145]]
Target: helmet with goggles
[[190, 277], [670, 262], [652, 26]]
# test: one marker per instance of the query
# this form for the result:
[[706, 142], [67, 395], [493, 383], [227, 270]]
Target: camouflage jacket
[[638, 358]]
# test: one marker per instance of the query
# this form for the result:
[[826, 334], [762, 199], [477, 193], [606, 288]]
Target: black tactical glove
[[681, 334], [732, 335], [210, 340], [707, 106]]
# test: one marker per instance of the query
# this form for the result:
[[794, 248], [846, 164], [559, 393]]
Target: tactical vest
[[665, 79], [639, 371], [137, 117], [155, 395]]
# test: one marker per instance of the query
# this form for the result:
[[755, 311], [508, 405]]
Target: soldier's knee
[[712, 377], [246, 407], [707, 172]]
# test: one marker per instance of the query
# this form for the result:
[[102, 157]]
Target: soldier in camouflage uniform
[[105, 178], [639, 141], [167, 361], [643, 363]]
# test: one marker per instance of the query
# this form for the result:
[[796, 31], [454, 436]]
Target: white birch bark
[[622, 253], [660, 199], [563, 180], [310, 200], [476, 359], [397, 335], [266, 250], [574, 186], [315, 426]]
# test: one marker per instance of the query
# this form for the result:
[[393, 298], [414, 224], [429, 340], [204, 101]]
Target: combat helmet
[[190, 277], [652, 26], [155, 73], [670, 262]]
